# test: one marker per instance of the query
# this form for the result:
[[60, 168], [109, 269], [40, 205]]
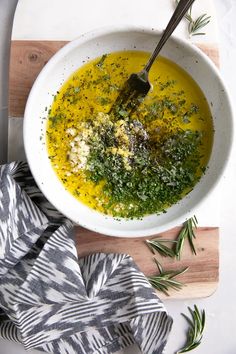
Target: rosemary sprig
[[165, 280], [196, 327], [195, 26], [187, 232], [159, 246]]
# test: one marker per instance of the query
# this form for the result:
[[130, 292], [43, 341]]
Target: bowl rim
[[97, 33]]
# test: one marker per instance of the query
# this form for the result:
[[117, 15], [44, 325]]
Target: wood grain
[[201, 278], [26, 61], [29, 57]]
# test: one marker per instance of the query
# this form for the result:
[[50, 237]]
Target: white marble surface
[[93, 14], [219, 337]]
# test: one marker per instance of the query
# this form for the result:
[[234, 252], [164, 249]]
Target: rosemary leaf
[[187, 232], [199, 23], [195, 26], [165, 281], [196, 327], [159, 246], [180, 243]]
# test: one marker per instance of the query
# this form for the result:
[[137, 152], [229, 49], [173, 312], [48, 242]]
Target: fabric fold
[[56, 302]]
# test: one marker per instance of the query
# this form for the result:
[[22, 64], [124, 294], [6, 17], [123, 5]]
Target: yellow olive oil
[[97, 156]]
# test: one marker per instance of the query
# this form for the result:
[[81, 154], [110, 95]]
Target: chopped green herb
[[56, 119], [164, 85], [103, 100], [106, 77], [148, 179], [123, 113], [101, 61]]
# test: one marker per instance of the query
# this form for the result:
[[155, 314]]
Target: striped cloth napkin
[[53, 301]]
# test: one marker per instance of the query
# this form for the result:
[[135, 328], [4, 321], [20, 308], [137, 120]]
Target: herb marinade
[[129, 166]]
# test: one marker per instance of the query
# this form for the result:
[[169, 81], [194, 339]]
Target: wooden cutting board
[[27, 59]]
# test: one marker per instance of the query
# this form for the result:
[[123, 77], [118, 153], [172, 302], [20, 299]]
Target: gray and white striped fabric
[[55, 302]]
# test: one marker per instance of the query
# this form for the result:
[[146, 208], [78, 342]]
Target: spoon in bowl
[[137, 86]]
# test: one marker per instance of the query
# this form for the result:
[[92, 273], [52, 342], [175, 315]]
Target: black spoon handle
[[179, 13]]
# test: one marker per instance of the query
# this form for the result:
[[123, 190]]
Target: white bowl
[[90, 46]]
